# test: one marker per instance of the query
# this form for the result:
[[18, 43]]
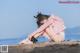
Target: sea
[[15, 41]]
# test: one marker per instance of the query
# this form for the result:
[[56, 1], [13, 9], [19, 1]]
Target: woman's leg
[[55, 37], [46, 36], [28, 41], [38, 34]]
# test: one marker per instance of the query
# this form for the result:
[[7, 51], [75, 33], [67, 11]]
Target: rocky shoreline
[[46, 47]]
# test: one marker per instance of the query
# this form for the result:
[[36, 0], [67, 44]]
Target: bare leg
[[36, 35], [55, 37], [27, 40], [39, 34]]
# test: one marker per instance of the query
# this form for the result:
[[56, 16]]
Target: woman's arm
[[43, 27], [36, 35]]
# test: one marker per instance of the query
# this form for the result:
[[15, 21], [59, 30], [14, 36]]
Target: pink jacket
[[56, 22]]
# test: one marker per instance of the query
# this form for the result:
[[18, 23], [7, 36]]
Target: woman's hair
[[40, 17]]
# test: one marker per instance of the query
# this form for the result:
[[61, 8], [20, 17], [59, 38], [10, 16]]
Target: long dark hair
[[40, 17]]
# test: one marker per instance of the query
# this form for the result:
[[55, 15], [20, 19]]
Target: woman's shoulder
[[55, 18]]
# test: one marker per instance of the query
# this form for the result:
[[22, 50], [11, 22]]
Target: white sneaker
[[26, 41]]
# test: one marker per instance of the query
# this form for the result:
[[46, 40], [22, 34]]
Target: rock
[[46, 47]]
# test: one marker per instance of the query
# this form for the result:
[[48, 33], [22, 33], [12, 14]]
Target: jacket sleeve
[[44, 26]]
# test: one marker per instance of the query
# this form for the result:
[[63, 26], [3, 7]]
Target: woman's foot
[[27, 41]]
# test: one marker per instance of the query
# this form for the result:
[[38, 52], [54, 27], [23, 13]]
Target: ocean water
[[12, 41], [9, 41], [16, 41], [70, 34]]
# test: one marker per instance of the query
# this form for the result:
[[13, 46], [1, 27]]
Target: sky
[[16, 16]]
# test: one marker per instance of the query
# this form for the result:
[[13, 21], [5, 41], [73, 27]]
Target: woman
[[51, 27]]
